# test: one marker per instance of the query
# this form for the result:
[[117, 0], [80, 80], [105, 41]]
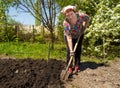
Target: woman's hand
[[84, 24], [72, 53]]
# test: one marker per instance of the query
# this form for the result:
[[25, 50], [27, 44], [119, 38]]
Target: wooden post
[[33, 34], [42, 30], [16, 31]]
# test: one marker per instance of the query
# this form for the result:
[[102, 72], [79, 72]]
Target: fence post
[[33, 34], [16, 30], [42, 30]]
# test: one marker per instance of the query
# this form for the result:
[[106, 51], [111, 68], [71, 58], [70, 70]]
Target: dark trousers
[[77, 52]]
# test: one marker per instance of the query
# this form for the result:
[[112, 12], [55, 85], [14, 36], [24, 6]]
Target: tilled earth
[[29, 73], [96, 76]]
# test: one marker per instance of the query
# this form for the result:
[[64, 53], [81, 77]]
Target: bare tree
[[47, 14]]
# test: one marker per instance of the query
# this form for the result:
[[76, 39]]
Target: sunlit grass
[[38, 51], [32, 50]]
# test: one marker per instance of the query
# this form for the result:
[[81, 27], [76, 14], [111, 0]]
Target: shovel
[[64, 74]]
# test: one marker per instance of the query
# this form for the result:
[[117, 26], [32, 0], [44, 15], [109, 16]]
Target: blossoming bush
[[103, 35]]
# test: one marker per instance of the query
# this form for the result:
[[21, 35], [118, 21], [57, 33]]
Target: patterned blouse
[[74, 30]]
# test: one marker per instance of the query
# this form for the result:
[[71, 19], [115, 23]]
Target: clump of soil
[[29, 73]]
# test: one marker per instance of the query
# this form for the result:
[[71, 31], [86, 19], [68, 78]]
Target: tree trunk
[[52, 39], [37, 21], [42, 31]]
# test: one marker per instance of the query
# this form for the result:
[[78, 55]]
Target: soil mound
[[29, 73]]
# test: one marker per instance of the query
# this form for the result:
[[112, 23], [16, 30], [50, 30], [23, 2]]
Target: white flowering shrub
[[104, 31]]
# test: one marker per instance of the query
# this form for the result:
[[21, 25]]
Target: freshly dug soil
[[29, 73], [96, 76]]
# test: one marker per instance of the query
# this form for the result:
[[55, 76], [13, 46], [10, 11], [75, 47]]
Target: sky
[[22, 17]]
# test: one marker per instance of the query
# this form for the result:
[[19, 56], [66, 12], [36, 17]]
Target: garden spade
[[64, 74]]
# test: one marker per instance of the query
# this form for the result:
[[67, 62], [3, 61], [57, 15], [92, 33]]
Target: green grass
[[38, 51], [32, 50]]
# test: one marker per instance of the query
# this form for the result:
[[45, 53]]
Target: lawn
[[32, 50], [38, 51]]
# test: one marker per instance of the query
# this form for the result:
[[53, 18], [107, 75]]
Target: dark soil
[[29, 73]]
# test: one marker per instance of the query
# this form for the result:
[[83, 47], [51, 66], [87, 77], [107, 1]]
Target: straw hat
[[68, 7]]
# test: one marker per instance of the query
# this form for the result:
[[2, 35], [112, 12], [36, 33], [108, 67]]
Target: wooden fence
[[33, 28]]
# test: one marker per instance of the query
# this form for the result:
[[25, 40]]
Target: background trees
[[103, 34], [45, 12], [4, 19], [101, 38]]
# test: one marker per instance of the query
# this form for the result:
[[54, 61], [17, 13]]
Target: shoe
[[70, 70], [76, 70]]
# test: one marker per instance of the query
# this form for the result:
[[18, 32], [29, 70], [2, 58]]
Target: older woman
[[73, 24]]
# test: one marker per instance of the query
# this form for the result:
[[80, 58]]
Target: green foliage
[[6, 30], [104, 30], [4, 5], [63, 3], [102, 37], [86, 6], [6, 34], [60, 28], [40, 39]]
